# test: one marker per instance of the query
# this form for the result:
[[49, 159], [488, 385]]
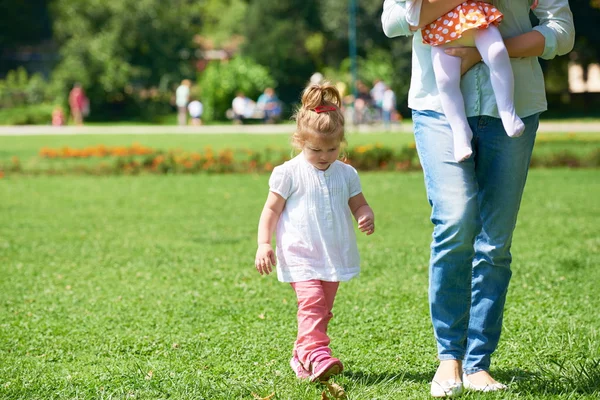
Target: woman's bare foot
[[447, 370], [481, 378], [482, 381], [447, 381]]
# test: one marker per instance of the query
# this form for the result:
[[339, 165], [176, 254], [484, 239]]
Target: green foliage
[[586, 14], [110, 45], [35, 114], [334, 15], [221, 80], [23, 22], [221, 26], [275, 38], [20, 89], [314, 45], [378, 64]]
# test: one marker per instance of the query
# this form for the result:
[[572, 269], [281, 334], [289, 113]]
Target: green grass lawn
[[144, 287]]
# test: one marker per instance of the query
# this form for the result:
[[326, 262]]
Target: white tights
[[447, 75]]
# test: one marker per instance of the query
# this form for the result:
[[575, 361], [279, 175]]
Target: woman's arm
[[554, 36], [556, 26], [530, 44]]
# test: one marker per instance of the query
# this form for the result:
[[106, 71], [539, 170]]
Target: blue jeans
[[474, 212]]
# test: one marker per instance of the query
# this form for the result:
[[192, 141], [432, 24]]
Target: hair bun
[[320, 94]]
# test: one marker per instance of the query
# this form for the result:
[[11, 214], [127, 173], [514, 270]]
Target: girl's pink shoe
[[324, 368], [299, 370]]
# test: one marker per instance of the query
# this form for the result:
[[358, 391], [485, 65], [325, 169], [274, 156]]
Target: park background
[[127, 245]]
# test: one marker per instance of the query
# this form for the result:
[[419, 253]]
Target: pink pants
[[315, 301]]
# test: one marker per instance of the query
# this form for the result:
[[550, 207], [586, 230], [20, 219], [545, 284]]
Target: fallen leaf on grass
[[269, 397], [334, 389]]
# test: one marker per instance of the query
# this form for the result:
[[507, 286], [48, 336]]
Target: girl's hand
[[469, 57], [366, 223], [265, 259]]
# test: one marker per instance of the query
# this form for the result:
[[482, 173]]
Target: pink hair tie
[[321, 109]]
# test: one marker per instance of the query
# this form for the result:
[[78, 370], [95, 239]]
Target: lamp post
[[352, 44]]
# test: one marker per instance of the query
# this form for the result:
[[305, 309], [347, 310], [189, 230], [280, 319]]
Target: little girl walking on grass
[[310, 205]]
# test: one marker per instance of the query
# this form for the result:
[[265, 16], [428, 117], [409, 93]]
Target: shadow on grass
[[368, 378], [581, 377]]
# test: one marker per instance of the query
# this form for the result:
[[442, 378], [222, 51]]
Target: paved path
[[32, 130]]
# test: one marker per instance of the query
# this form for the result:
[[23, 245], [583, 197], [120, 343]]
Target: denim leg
[[501, 163], [452, 192]]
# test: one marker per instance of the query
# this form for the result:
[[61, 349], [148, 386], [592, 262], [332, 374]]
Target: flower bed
[[138, 159]]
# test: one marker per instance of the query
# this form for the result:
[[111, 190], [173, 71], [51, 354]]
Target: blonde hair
[[324, 125]]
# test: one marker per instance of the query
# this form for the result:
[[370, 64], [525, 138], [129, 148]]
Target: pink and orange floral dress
[[468, 15]]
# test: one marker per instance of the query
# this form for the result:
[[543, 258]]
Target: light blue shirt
[[556, 25]]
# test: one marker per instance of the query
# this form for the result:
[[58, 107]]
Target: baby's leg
[[495, 56], [447, 77]]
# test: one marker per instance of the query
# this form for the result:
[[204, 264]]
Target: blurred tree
[[220, 81], [115, 46], [221, 26], [369, 34], [295, 38], [276, 33], [110, 45], [22, 23], [586, 14], [378, 56]]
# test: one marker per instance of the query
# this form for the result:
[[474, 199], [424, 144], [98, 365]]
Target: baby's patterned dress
[[468, 15]]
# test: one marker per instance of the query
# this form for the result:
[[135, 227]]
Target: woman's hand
[[265, 259], [469, 57]]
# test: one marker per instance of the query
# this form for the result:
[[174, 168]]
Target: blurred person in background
[[58, 116], [362, 104], [239, 107], [376, 92], [182, 97], [269, 104], [388, 108], [196, 109], [78, 103]]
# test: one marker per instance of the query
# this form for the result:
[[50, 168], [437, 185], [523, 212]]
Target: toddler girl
[[310, 205], [470, 23]]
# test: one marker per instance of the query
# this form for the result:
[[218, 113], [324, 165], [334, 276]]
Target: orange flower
[[208, 164]]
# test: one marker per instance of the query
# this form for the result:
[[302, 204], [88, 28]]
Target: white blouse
[[315, 232]]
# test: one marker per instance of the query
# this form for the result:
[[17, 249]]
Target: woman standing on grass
[[475, 202], [310, 205]]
